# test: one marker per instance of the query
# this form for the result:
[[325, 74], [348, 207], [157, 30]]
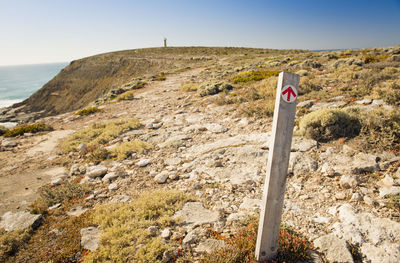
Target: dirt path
[[23, 169]]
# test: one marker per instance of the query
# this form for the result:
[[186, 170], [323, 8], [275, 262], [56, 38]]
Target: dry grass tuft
[[25, 128], [99, 133], [125, 237], [125, 149]]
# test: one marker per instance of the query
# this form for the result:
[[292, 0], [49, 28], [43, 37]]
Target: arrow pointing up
[[289, 92]]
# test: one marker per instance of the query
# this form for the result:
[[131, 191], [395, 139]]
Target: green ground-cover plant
[[391, 94], [99, 133], [88, 111], [50, 195], [27, 128], [124, 225], [56, 240], [10, 242], [127, 95], [381, 130], [328, 124], [125, 149], [240, 248], [393, 201], [249, 76], [3, 130]]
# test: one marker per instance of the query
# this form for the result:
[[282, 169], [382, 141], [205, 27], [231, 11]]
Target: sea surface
[[19, 82]]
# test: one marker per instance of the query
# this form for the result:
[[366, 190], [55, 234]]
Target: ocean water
[[19, 82]]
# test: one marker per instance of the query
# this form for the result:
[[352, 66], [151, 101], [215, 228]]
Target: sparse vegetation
[[99, 133], [127, 95], [56, 240], [3, 130], [381, 130], [88, 111], [125, 149], [240, 248], [27, 128], [125, 237], [51, 195], [253, 76], [189, 87], [10, 242], [393, 202], [328, 124]]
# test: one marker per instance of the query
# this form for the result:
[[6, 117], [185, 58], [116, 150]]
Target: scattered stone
[[194, 213], [90, 237], [166, 233], [190, 238], [340, 196], [359, 228], [349, 181], [301, 144], [161, 177], [173, 176], [301, 163], [113, 187], [250, 204], [334, 248], [209, 245], [20, 220], [356, 197], [8, 143], [82, 147], [121, 198], [388, 253], [386, 191], [96, 171], [55, 206], [305, 104], [77, 211], [109, 177], [144, 162], [327, 170], [387, 181], [152, 230], [365, 101], [215, 128]]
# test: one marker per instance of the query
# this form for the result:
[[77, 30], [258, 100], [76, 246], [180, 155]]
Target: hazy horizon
[[38, 32]]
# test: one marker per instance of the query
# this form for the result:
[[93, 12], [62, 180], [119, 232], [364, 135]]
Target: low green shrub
[[127, 95], [328, 124], [381, 130], [27, 128], [249, 76], [88, 111]]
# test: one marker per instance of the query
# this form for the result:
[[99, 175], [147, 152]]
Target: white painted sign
[[289, 93]]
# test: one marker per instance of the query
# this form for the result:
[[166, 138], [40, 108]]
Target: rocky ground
[[335, 195]]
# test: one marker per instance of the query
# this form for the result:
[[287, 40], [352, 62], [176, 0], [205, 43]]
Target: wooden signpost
[[277, 166]]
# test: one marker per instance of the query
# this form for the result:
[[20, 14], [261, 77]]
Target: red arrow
[[289, 91]]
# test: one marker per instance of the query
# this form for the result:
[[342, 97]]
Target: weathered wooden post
[[277, 166]]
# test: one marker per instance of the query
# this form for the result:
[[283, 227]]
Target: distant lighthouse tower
[[165, 42]]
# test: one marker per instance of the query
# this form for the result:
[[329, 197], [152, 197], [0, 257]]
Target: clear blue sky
[[37, 31]]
